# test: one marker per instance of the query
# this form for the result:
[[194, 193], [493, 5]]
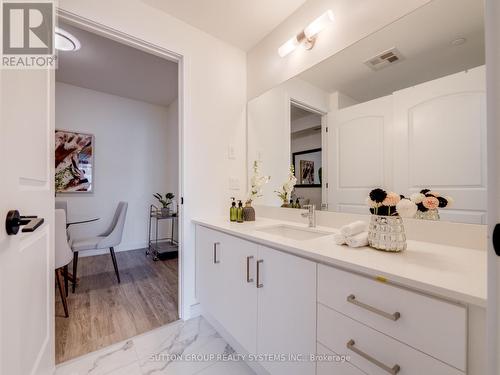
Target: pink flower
[[392, 199], [430, 203]]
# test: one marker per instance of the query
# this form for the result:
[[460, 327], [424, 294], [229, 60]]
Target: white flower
[[372, 204], [257, 181], [417, 198], [435, 193], [450, 201], [406, 208]]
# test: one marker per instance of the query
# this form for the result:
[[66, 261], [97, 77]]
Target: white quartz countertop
[[454, 273]]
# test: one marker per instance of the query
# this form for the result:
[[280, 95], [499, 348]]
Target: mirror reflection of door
[[306, 154]]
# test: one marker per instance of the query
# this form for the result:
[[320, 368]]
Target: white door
[[440, 142], [493, 97], [286, 312], [359, 153], [26, 259]]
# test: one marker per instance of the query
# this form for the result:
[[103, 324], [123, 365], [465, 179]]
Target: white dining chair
[[63, 256], [109, 239]]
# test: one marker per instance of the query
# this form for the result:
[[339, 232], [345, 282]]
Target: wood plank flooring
[[103, 312]]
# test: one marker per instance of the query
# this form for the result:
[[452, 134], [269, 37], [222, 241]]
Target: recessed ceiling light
[[66, 41], [458, 41]]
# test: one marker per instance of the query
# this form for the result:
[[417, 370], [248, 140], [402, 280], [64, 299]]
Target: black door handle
[[496, 239], [14, 221]]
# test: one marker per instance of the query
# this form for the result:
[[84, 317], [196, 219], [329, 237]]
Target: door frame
[[143, 45], [324, 141]]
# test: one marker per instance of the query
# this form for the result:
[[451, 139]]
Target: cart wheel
[[155, 258]]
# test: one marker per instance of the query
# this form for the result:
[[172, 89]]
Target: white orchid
[[257, 182], [286, 192]]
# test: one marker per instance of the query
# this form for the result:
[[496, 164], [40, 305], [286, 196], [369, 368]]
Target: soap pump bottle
[[239, 212], [233, 210], [292, 205], [297, 203]]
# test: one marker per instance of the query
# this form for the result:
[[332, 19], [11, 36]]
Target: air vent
[[384, 59]]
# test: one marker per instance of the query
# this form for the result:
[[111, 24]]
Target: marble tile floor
[[157, 352]]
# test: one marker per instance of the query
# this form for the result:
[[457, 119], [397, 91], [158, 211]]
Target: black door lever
[[496, 239], [14, 221]]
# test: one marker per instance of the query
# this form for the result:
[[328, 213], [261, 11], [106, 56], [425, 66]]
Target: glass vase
[[387, 233], [428, 215]]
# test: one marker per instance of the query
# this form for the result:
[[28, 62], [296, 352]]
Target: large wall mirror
[[403, 109]]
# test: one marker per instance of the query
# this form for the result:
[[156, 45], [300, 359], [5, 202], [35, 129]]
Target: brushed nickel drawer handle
[[258, 283], [249, 280], [391, 370], [352, 299], [216, 261]]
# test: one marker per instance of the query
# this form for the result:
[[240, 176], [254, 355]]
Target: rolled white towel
[[359, 240], [353, 228], [339, 238]]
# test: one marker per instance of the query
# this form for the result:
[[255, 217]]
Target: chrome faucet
[[310, 214]]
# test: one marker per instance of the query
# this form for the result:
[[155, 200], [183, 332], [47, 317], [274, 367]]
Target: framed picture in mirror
[[308, 168]]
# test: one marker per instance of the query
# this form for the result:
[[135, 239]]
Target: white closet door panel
[[440, 142], [360, 158]]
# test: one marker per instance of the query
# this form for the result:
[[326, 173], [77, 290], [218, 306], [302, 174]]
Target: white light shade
[[319, 24], [65, 41], [288, 47]]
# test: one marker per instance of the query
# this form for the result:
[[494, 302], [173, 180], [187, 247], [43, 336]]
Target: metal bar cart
[[161, 248]]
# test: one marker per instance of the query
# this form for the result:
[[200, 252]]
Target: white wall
[[354, 20], [135, 156], [213, 110]]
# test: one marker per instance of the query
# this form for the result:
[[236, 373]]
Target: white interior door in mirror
[[440, 142], [360, 153]]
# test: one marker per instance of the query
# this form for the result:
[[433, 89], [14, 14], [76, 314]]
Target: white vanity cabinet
[[379, 325], [264, 298], [275, 303], [224, 289], [287, 311]]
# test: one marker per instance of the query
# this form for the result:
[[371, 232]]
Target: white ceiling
[[114, 68], [242, 23], [423, 37]]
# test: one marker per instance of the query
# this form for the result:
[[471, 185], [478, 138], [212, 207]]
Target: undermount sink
[[293, 232]]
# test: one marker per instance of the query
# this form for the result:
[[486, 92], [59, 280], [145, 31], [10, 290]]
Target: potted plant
[[386, 231], [428, 202], [257, 182], [165, 202], [286, 190]]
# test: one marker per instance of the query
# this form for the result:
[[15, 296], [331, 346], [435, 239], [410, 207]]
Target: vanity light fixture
[[65, 41], [308, 35]]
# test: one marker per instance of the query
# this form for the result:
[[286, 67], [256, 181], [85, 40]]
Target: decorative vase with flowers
[[386, 229], [286, 190], [428, 203], [257, 182]]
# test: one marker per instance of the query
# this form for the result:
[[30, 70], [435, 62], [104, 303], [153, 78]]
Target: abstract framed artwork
[[307, 166], [74, 162]]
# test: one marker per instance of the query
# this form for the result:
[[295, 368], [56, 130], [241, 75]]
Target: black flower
[[378, 195], [422, 208], [443, 202]]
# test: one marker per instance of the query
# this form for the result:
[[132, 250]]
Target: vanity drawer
[[431, 325], [332, 367], [371, 350]]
